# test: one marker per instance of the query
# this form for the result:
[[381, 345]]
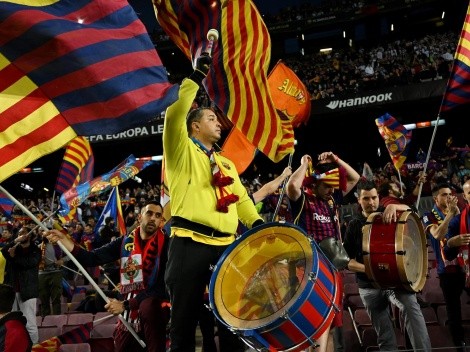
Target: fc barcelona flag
[[458, 88], [237, 81], [73, 197], [289, 94], [73, 68], [397, 138]]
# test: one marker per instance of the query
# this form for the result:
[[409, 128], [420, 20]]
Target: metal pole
[[76, 262]]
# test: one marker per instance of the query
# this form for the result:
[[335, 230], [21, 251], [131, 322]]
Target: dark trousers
[[187, 275], [452, 285], [50, 292], [153, 322]]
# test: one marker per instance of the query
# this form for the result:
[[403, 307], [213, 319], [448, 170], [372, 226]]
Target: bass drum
[[395, 255], [275, 289]]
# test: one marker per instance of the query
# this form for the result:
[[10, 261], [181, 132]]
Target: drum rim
[[311, 264], [401, 222]]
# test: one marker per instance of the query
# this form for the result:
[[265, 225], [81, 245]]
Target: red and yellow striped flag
[[237, 82]]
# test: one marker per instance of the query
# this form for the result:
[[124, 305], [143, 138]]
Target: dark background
[[353, 136]]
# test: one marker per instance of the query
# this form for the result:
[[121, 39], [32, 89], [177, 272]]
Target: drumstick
[[355, 325], [212, 36]]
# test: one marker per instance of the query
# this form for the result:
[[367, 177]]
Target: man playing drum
[[377, 301], [315, 209], [207, 201]]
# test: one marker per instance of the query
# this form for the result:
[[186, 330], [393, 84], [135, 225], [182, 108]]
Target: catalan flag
[[237, 82], [458, 88], [73, 68], [77, 166], [397, 138]]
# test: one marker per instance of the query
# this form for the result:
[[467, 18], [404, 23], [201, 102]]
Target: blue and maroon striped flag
[[458, 88], [237, 82], [77, 166], [6, 205], [73, 68], [397, 138]]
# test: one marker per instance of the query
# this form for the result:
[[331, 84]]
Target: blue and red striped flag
[[75, 196], [73, 68], [458, 88], [237, 82], [397, 138], [6, 205], [77, 166]]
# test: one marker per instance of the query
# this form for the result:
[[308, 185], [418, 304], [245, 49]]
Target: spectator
[[24, 257], [13, 334]]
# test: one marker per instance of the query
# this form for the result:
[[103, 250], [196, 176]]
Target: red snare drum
[[275, 289], [395, 255]]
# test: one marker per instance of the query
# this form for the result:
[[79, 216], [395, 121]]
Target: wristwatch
[[125, 304]]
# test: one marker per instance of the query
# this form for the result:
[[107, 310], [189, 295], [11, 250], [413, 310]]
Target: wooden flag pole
[[76, 262]]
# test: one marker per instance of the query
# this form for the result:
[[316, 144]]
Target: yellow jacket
[[189, 175]]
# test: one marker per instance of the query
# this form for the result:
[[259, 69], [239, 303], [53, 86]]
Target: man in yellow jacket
[[207, 201]]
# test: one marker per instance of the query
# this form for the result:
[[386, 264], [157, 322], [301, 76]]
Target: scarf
[[220, 181], [139, 266], [335, 178]]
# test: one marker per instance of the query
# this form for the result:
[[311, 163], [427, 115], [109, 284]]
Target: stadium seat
[[103, 330], [75, 347], [79, 318], [57, 320], [110, 317], [46, 332]]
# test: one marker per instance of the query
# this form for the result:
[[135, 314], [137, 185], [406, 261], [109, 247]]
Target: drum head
[[413, 243], [260, 276]]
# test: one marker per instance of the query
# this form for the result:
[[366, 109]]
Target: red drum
[[275, 289], [395, 255]]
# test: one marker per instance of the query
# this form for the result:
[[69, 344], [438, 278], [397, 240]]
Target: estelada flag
[[290, 95], [397, 138], [237, 81], [73, 68], [112, 209], [458, 88]]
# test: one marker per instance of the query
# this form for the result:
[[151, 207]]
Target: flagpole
[[451, 76], [281, 194], [76, 262]]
